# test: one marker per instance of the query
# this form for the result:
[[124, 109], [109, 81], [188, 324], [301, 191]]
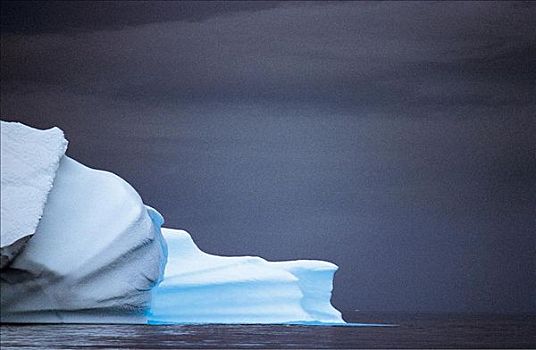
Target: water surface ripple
[[413, 331]]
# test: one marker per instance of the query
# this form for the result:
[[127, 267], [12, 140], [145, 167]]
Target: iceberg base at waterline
[[90, 251]]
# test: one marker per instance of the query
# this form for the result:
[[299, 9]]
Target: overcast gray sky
[[396, 139]]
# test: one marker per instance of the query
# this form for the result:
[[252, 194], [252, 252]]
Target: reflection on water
[[413, 331]]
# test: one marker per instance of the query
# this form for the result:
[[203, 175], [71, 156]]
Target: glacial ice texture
[[203, 288], [95, 256], [29, 160]]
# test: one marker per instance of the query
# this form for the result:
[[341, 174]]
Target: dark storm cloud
[[31, 17], [349, 54], [395, 139]]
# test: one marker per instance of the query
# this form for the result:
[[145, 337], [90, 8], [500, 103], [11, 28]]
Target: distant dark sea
[[412, 331]]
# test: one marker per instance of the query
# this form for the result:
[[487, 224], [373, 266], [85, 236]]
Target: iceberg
[[94, 257], [204, 288], [79, 245]]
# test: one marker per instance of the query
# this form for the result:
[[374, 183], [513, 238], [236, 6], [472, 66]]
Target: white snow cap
[[29, 161]]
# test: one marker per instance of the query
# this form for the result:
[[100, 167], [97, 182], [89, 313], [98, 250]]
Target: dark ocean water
[[412, 331]]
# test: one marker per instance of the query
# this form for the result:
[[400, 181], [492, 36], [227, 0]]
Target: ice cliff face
[[79, 245], [29, 160]]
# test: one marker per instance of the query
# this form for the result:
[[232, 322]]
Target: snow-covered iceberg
[[88, 250]]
